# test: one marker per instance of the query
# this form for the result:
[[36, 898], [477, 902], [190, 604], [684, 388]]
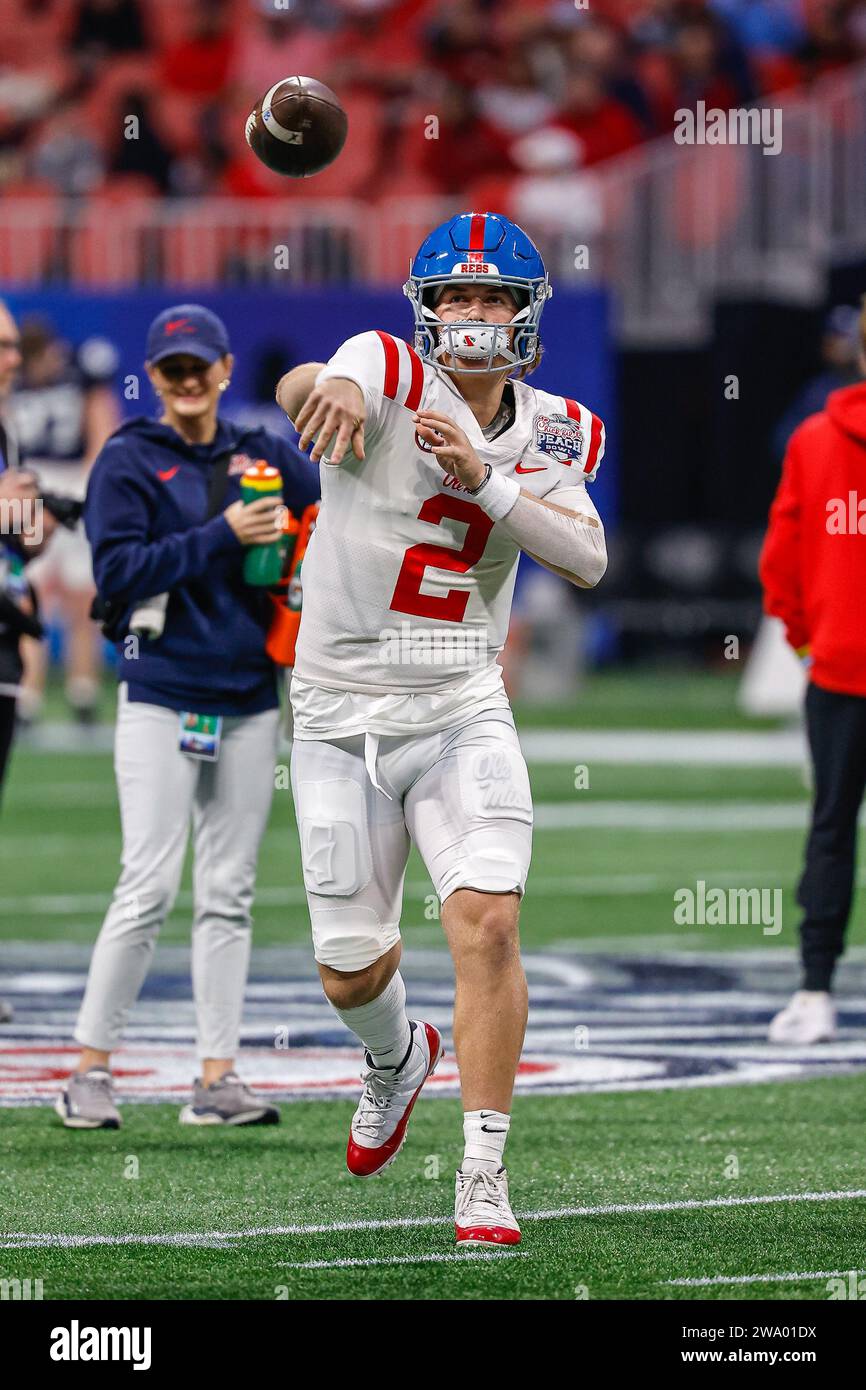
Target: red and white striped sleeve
[[592, 430], [386, 369]]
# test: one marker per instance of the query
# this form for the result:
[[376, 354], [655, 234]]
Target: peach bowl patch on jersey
[[558, 436]]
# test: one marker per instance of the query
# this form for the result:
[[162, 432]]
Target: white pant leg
[[156, 785], [470, 811], [232, 805], [354, 848]]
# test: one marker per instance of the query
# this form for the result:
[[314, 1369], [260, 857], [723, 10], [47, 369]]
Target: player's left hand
[[451, 447]]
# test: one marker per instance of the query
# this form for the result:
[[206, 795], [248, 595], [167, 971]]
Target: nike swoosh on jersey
[[521, 469], [165, 475]]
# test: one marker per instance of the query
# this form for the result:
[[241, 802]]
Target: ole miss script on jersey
[[399, 540]]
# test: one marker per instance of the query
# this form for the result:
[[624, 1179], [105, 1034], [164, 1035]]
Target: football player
[[440, 465]]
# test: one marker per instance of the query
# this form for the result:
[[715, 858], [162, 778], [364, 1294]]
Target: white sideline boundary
[[21, 1240]]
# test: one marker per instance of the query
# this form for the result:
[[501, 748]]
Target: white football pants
[[461, 795], [161, 790]]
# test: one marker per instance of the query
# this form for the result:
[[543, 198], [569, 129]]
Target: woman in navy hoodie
[[198, 714]]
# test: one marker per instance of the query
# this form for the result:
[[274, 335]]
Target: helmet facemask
[[473, 340]]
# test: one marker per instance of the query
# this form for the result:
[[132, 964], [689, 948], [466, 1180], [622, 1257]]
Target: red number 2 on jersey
[[407, 596]]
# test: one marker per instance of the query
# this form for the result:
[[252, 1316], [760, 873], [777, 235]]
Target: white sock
[[484, 1133], [382, 1024]]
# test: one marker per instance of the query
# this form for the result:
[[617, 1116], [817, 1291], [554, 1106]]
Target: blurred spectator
[[765, 25], [63, 409], [653, 24], [698, 69], [199, 64], [840, 352], [813, 572], [836, 36], [602, 46], [18, 544], [102, 27], [67, 154], [512, 101], [379, 44], [552, 193], [460, 42], [278, 41], [147, 154], [467, 147], [604, 126]]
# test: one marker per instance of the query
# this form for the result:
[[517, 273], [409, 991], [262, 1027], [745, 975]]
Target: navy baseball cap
[[187, 328]]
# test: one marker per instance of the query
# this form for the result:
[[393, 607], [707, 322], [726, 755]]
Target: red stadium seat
[[29, 231]]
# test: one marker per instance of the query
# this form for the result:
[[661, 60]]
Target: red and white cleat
[[378, 1129], [482, 1212]]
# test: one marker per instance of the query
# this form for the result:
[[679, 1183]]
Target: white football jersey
[[407, 581]]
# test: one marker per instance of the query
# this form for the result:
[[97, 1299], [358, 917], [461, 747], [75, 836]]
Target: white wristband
[[497, 495]]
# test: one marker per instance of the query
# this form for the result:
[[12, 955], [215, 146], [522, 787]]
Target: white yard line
[[544, 886], [663, 816], [764, 1278], [694, 747], [599, 815], [19, 1240], [455, 1258]]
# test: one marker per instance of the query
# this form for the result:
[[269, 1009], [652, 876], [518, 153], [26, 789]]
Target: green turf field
[[608, 859], [565, 1152]]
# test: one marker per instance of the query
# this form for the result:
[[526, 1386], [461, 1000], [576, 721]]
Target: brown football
[[298, 128]]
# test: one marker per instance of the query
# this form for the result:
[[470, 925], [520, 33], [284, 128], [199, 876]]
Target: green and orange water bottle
[[263, 564]]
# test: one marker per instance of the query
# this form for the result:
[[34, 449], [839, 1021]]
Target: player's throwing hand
[[451, 447], [334, 408]]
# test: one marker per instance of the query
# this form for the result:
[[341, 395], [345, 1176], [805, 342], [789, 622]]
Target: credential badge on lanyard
[[200, 735]]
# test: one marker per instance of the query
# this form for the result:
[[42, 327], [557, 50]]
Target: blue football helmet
[[485, 248]]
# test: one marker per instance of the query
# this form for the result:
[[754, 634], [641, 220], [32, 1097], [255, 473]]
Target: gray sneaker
[[88, 1101], [227, 1102]]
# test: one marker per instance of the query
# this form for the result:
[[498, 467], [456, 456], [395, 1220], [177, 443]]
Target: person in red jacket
[[813, 570]]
